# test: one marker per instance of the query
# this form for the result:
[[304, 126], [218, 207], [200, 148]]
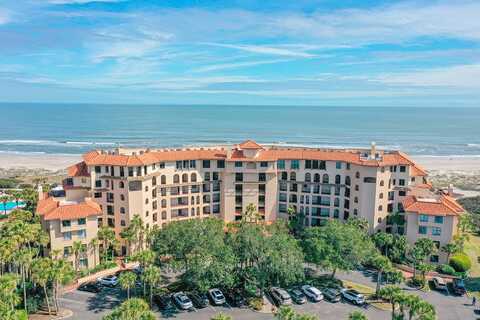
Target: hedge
[[445, 269], [460, 262]]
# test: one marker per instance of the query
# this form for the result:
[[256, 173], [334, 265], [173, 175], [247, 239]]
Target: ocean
[[76, 128]]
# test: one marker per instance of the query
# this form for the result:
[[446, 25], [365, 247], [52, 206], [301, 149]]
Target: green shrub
[[460, 262], [8, 183], [417, 282], [445, 269]]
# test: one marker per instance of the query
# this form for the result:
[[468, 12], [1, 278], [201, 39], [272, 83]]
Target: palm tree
[[286, 313], [392, 294], [145, 258], [137, 228], [41, 274], [357, 315], [8, 286], [131, 309], [5, 199], [128, 235], [450, 248], [24, 258], [382, 264], [77, 249], [61, 274], [127, 281], [94, 246], [107, 236], [152, 276]]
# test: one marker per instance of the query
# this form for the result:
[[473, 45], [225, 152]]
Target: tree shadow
[[106, 299]]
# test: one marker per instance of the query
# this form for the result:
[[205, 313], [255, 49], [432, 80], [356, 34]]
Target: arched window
[[380, 208], [176, 178], [355, 211], [308, 177], [382, 183], [154, 181], [146, 188], [284, 175], [357, 175], [336, 202], [146, 201], [193, 212], [193, 177], [121, 185], [355, 199], [325, 178], [185, 177], [347, 180], [293, 176], [163, 179], [164, 203], [198, 200], [192, 200], [380, 195], [338, 179], [316, 177], [122, 210], [122, 197]]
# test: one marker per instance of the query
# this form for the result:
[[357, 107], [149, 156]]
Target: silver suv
[[280, 296]]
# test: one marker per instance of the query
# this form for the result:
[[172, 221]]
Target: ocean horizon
[[31, 128]]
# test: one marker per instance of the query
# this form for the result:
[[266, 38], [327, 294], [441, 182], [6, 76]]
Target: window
[[325, 178], [347, 180], [239, 176], [338, 179], [66, 223], [308, 177], [98, 169], [207, 176], [206, 164], [433, 258], [401, 182], [67, 251], [184, 177], [122, 223], [382, 183], [370, 180], [176, 178], [193, 177], [295, 164], [82, 233], [281, 164], [82, 221], [238, 164], [438, 219], [98, 183], [67, 235], [403, 168], [221, 164], [193, 163], [338, 165], [263, 164], [402, 193], [178, 165], [423, 218], [163, 179], [122, 210], [436, 231], [97, 195], [262, 176], [308, 164], [380, 208], [422, 230], [214, 176], [122, 197], [293, 176]]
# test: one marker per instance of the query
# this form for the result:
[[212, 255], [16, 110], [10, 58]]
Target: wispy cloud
[[268, 50], [236, 65], [5, 16]]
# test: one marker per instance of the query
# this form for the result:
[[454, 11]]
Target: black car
[[199, 300], [235, 298], [164, 302], [297, 296], [90, 287]]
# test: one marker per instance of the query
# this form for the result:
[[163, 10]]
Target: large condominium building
[[175, 184]]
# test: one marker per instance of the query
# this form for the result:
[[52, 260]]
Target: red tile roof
[[52, 209], [78, 170], [249, 144], [264, 154], [443, 206]]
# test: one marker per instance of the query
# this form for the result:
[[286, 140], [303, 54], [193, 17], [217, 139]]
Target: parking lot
[[92, 306]]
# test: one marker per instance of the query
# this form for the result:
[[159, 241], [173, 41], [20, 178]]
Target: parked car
[[164, 302], [109, 281], [235, 298], [353, 296], [439, 284], [332, 295], [459, 287], [216, 296], [199, 300], [90, 287], [280, 296], [312, 293], [298, 296], [182, 301]]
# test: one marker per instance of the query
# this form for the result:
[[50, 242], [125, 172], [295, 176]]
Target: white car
[[216, 296], [440, 284], [312, 293], [109, 281], [182, 301], [353, 296]]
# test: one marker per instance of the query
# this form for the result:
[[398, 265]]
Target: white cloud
[[461, 76], [235, 65], [265, 50]]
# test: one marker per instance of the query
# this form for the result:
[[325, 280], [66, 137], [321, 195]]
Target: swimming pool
[[11, 205]]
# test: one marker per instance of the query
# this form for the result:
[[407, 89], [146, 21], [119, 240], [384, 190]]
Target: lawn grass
[[368, 292]]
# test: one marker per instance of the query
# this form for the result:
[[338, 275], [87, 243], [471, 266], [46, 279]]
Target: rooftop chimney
[[373, 150], [40, 192], [450, 190]]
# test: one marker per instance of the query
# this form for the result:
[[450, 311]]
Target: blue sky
[[325, 52]]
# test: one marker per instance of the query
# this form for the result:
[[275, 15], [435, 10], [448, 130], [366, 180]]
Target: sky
[[285, 52]]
